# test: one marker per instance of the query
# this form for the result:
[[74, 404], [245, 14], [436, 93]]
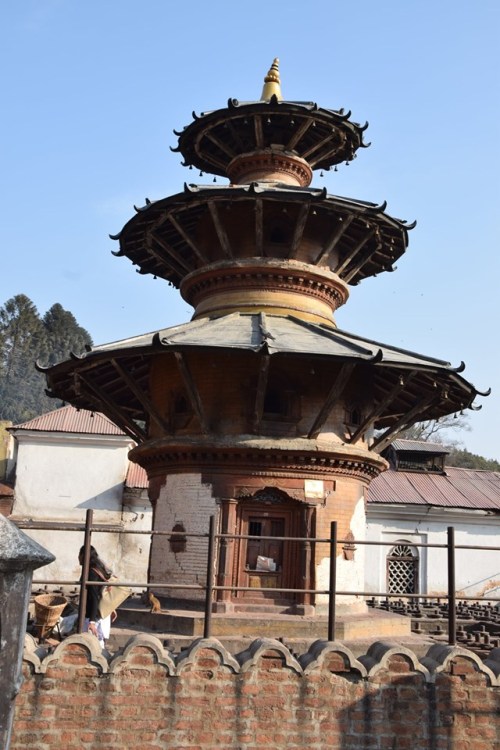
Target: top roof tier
[[226, 141]]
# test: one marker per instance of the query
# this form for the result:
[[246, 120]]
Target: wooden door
[[264, 558]]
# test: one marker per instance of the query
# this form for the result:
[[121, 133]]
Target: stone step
[[373, 624]]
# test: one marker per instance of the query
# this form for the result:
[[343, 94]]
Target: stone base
[[373, 624]]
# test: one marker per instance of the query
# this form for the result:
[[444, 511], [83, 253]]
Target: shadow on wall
[[110, 499]]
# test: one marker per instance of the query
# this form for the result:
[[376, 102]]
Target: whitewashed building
[[66, 462], [414, 502]]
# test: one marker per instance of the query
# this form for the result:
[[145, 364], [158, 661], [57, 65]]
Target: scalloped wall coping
[[382, 656]]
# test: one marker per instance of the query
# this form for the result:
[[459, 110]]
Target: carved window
[[402, 569], [182, 411], [279, 233], [353, 415], [276, 403]]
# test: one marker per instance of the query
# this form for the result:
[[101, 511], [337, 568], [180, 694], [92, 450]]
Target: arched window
[[402, 569]]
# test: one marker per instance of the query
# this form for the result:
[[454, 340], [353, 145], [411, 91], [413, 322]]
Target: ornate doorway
[[265, 559]]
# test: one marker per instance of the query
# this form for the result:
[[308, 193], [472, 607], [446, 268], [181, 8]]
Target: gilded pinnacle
[[272, 83]]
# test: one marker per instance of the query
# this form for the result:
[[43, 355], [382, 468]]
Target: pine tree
[[25, 339], [64, 335]]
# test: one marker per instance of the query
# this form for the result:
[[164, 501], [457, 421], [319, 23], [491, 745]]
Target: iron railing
[[210, 588]]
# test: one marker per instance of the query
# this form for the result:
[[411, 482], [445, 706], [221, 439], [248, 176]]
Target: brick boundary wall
[[79, 697]]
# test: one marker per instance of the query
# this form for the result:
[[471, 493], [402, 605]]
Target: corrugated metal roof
[[136, 477], [419, 446], [69, 419], [459, 488]]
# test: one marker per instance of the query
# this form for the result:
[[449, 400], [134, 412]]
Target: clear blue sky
[[92, 91]]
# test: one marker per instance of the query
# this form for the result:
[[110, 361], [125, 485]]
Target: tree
[[434, 430], [22, 340], [466, 460], [64, 335], [25, 339]]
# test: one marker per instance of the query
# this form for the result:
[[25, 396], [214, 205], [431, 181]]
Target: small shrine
[[260, 411]]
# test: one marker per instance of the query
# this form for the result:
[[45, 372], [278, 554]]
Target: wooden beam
[[361, 262], [223, 147], [187, 239], [171, 254], [259, 227], [141, 396], [258, 410], [192, 390], [128, 425], [299, 228], [259, 136], [200, 152], [337, 233], [402, 383], [306, 155], [297, 135], [339, 145], [333, 397], [221, 232], [405, 420], [354, 251], [236, 136]]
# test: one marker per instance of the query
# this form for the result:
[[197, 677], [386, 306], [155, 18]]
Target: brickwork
[[185, 500], [78, 697]]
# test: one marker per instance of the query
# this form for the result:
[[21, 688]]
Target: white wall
[[58, 477], [476, 572]]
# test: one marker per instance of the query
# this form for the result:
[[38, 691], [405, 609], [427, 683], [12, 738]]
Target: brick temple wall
[[206, 699]]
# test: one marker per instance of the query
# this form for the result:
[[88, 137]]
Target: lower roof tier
[[157, 383], [175, 236]]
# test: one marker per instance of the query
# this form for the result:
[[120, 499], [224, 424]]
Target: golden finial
[[272, 84]]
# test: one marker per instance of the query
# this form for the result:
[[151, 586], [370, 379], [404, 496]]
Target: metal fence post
[[332, 588], [207, 628], [452, 615], [85, 569]]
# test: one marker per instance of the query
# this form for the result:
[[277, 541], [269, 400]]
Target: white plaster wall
[[185, 500], [59, 477], [476, 572], [350, 573]]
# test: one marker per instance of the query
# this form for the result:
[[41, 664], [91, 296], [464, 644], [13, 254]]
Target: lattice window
[[402, 569]]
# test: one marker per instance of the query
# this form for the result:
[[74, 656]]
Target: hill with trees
[[26, 338]]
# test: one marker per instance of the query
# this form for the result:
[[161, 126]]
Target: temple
[[260, 411]]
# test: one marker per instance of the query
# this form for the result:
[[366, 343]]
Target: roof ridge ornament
[[272, 83]]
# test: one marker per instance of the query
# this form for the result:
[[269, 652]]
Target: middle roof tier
[[204, 225]]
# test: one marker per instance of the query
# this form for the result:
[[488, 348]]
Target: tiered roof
[[235, 250]]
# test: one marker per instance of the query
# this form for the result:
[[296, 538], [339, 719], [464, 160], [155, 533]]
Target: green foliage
[[466, 460], [25, 338]]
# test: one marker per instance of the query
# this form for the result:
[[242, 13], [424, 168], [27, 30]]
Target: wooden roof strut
[[128, 425], [141, 396], [334, 395], [192, 390]]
